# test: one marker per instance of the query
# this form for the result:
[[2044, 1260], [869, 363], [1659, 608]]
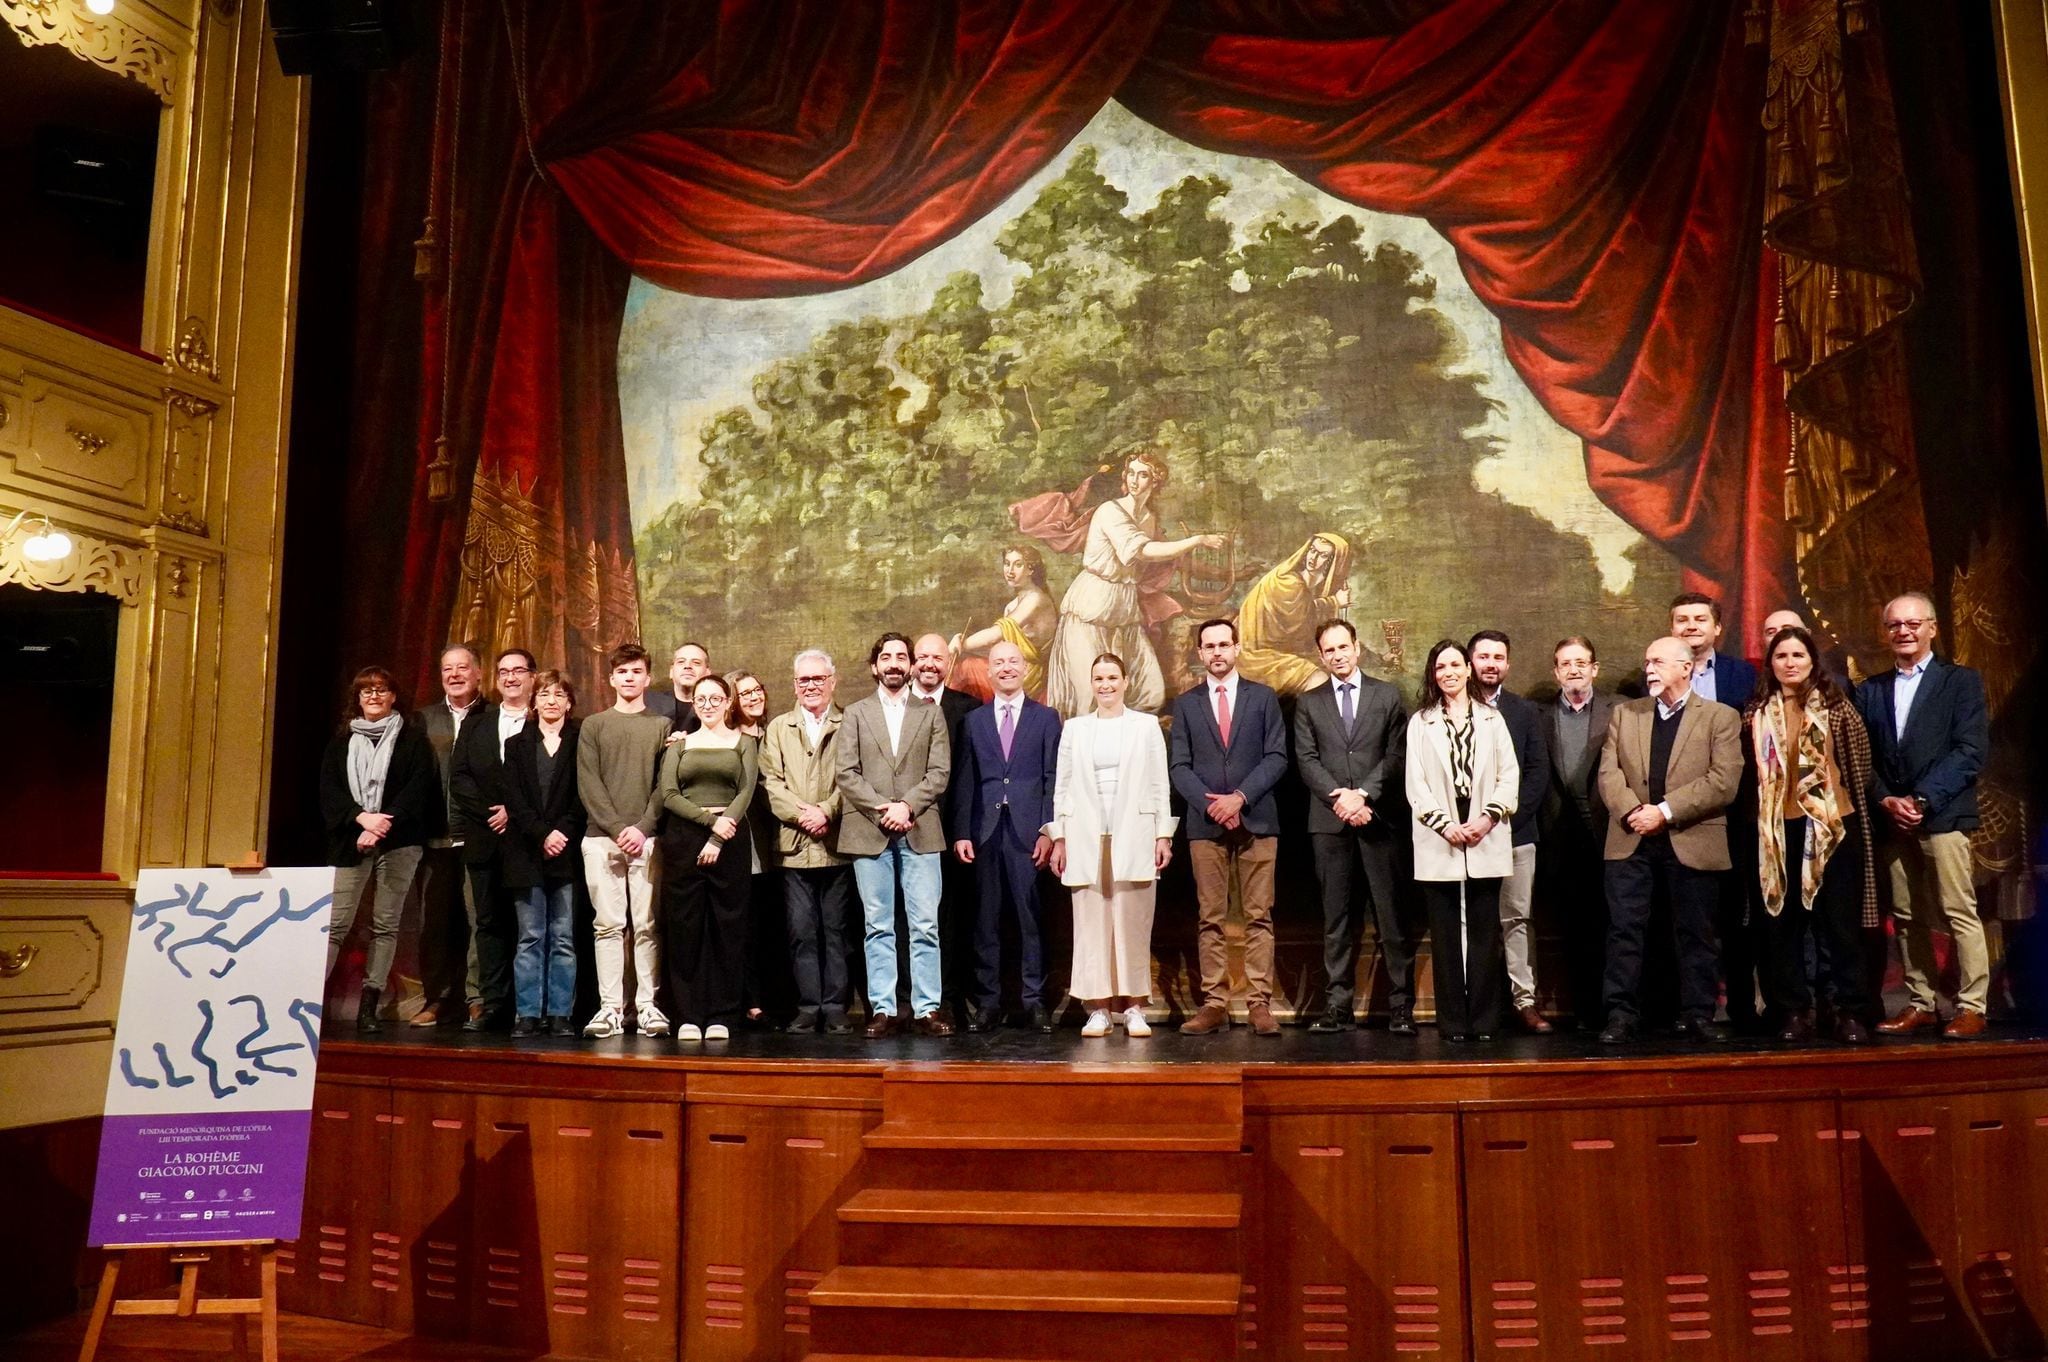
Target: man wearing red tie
[[1228, 751]]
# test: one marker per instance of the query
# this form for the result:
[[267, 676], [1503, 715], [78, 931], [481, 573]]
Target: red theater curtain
[[1596, 163]]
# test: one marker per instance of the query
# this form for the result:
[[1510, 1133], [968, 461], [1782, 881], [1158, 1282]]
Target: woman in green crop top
[[707, 781]]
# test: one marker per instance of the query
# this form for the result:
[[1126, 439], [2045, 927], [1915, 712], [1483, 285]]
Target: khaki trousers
[[1237, 858], [1932, 886]]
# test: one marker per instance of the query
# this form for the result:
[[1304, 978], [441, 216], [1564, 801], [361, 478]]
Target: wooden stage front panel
[[1816, 1206]]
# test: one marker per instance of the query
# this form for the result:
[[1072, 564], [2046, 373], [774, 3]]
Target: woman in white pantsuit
[[1111, 835]]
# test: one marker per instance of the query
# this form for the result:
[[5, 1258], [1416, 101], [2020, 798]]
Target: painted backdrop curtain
[[1599, 166]]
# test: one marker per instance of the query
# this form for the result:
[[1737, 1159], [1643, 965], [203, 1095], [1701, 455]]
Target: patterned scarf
[[1823, 817], [369, 758]]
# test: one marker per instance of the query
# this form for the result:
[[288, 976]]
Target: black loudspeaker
[[330, 35]]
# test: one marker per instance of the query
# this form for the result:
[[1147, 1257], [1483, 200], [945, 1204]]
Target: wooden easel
[[188, 1258]]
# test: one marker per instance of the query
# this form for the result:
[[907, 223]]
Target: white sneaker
[[688, 1035], [652, 1023], [607, 1022], [717, 1031], [1135, 1023], [1097, 1023]]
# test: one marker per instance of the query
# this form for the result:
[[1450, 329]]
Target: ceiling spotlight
[[45, 543], [99, 7]]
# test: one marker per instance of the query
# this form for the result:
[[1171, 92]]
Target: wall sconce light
[[45, 543]]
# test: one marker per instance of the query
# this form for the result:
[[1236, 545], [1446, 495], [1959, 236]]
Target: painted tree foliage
[[1298, 380]]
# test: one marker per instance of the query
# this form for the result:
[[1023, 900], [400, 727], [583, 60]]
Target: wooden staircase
[[1058, 1217]]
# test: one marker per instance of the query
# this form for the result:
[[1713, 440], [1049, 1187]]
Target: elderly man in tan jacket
[[1668, 773], [799, 771]]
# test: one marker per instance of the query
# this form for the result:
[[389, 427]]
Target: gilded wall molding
[[192, 352], [104, 41], [93, 565]]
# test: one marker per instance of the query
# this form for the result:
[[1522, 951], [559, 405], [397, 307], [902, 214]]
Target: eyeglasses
[[377, 690], [1905, 626], [812, 680], [751, 691], [514, 671]]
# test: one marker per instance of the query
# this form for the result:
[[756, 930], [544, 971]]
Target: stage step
[[1010, 1134], [1121, 1210], [1024, 1107], [993, 1288]]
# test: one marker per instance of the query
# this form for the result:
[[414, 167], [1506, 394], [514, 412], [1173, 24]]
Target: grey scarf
[[369, 759]]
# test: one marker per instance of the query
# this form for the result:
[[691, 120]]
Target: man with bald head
[[1668, 772], [1000, 797]]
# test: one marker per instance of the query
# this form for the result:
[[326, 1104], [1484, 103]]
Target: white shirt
[[1228, 685], [814, 726], [892, 715], [459, 714], [510, 721], [1906, 685], [1665, 711]]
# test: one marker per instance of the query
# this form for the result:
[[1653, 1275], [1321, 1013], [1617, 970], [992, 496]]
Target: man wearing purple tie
[[1001, 796]]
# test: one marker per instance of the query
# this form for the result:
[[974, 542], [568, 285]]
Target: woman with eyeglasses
[[707, 781], [380, 801], [1809, 755], [1463, 783], [770, 992]]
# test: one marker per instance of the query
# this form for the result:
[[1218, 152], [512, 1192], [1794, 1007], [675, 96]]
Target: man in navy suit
[[1228, 751], [1001, 796], [1929, 731], [1729, 680]]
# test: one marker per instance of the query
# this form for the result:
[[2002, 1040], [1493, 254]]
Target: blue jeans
[[546, 953], [877, 876]]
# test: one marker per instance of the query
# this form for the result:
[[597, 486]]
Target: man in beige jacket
[[1668, 773], [799, 770]]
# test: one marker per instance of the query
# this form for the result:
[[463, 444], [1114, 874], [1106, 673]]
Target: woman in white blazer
[[1462, 783], [1111, 835]]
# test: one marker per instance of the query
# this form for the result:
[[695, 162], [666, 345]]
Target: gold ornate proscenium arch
[[104, 40], [93, 564]]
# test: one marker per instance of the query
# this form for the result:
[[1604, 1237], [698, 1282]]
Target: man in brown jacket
[[1668, 772], [799, 770]]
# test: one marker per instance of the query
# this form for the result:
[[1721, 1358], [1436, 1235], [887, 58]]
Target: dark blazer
[[1734, 680], [983, 781], [1580, 781], [1532, 754], [437, 722], [1372, 757], [412, 791], [682, 718], [476, 781], [535, 812], [1198, 764], [956, 705], [1948, 732]]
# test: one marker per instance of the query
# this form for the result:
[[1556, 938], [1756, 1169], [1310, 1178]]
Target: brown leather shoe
[[1262, 1020], [882, 1024], [1532, 1020], [426, 1016], [1212, 1019], [1966, 1026], [1911, 1020], [933, 1024]]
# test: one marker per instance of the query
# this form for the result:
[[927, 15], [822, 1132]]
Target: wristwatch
[[1920, 803]]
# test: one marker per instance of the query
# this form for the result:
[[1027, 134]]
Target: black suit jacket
[[412, 796], [1532, 753], [1948, 732], [535, 812], [983, 781], [1371, 757], [1198, 763], [476, 782], [956, 705], [1569, 785], [681, 717]]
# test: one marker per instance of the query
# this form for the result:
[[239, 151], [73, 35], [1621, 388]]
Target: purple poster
[[210, 1093]]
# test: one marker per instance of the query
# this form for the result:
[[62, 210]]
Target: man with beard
[[930, 660], [1488, 651], [1276, 624], [894, 762], [690, 664]]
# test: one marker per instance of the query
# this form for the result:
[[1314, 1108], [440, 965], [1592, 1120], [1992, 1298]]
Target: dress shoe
[[1911, 1020], [981, 1020], [1040, 1020], [1262, 1020], [1333, 1019], [1212, 1019], [1967, 1024], [1483, 1037], [474, 1022], [368, 1023], [1697, 1030], [426, 1016], [1799, 1028], [838, 1026], [1401, 1022], [561, 1026], [1532, 1020], [1618, 1031], [803, 1023], [1454, 1037], [882, 1024], [522, 1027], [1851, 1030], [933, 1024]]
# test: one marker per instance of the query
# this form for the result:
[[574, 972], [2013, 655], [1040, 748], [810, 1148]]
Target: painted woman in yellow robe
[[1276, 624]]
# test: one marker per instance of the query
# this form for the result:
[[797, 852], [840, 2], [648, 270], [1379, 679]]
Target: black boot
[[367, 1021]]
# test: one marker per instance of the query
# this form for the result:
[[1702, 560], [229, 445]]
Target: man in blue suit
[[1929, 731], [1001, 796], [1228, 751], [1730, 680]]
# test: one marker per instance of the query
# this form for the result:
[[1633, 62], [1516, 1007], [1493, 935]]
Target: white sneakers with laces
[[606, 1023]]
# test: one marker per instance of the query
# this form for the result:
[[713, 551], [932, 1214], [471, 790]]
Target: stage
[[1015, 1195]]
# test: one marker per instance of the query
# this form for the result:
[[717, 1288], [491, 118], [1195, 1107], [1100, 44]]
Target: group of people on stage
[[1756, 804]]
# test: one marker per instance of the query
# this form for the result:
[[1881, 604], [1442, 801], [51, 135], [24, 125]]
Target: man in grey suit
[[893, 764], [1574, 820], [1350, 739]]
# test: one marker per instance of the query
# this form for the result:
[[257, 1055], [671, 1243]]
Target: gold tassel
[[1753, 24], [441, 474], [426, 252], [1856, 17], [1788, 347], [1840, 314], [1791, 178], [1827, 141], [1798, 496]]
